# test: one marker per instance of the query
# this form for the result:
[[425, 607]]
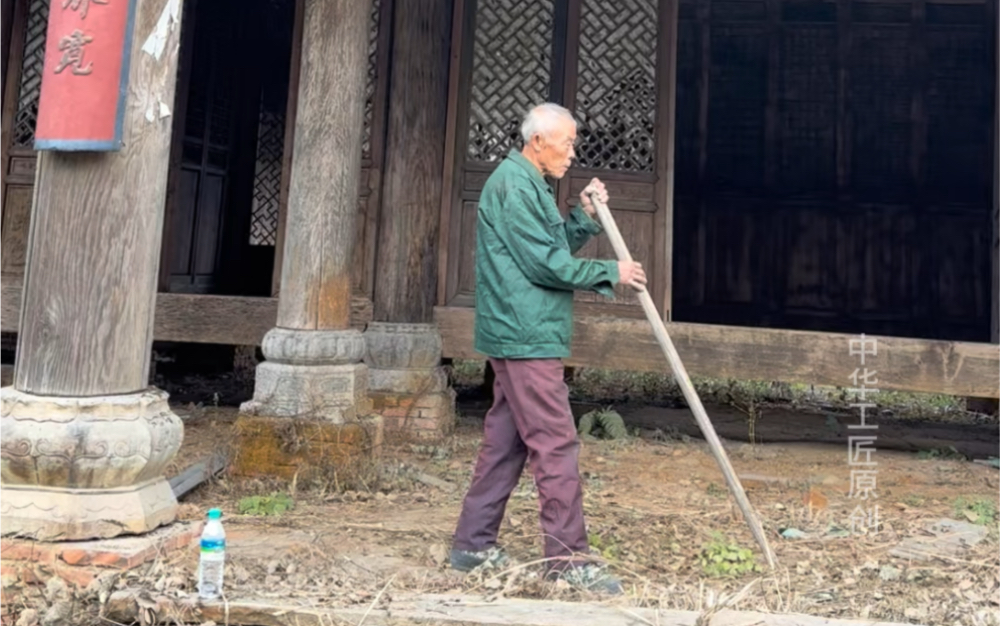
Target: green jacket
[[525, 271]]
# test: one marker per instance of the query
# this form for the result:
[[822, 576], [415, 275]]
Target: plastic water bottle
[[211, 565]]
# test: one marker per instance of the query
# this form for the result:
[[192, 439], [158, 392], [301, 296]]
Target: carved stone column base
[[311, 374], [50, 514], [86, 468], [336, 393], [407, 385]]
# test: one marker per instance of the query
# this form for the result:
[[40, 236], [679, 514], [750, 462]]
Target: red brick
[[79, 576], [75, 556], [25, 550]]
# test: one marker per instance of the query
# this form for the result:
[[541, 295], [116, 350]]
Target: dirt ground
[[656, 503]]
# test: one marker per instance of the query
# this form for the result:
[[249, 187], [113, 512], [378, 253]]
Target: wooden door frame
[[562, 89], [177, 138], [13, 58]]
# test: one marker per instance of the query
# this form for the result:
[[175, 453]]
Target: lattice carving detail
[[616, 87], [267, 179], [366, 146], [807, 107], [511, 67], [23, 128]]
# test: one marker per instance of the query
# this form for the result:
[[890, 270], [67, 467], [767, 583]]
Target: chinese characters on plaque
[[85, 76], [861, 445]]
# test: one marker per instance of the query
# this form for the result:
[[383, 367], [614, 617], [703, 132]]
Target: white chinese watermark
[[860, 447]]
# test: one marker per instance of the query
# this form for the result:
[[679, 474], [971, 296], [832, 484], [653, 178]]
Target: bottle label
[[213, 545]]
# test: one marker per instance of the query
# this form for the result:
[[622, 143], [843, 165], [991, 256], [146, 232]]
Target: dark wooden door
[[599, 59], [209, 199]]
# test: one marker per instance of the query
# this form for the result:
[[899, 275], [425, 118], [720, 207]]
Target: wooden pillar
[[85, 441], [404, 348], [406, 275], [323, 191], [313, 366]]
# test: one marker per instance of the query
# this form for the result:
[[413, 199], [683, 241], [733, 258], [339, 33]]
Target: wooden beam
[[318, 251], [406, 264], [229, 320], [90, 281], [904, 364], [923, 365]]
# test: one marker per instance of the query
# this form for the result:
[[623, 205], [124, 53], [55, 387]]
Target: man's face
[[555, 152]]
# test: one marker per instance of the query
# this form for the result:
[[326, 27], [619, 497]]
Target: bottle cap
[[214, 514]]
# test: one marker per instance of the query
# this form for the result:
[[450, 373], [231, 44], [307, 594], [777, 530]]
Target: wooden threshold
[[818, 358], [901, 364]]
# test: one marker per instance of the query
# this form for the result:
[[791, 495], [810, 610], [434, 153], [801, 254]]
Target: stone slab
[[455, 610], [50, 514], [948, 540], [408, 381]]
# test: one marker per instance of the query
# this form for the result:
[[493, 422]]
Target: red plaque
[[85, 76]]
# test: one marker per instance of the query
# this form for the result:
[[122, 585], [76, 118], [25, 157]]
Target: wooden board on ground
[[124, 606]]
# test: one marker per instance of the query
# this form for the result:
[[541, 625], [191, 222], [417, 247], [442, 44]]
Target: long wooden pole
[[660, 330]]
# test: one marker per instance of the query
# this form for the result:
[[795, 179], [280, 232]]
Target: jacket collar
[[533, 173]]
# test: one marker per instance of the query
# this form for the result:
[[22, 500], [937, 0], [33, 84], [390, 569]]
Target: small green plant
[[716, 491], [979, 511], [608, 549], [607, 422], [722, 558], [949, 453], [914, 501], [274, 504]]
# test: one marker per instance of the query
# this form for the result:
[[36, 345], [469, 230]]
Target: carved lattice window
[[23, 128], [616, 87], [511, 67], [267, 178]]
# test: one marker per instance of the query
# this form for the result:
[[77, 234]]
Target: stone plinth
[[306, 448], [311, 374], [407, 385], [86, 468]]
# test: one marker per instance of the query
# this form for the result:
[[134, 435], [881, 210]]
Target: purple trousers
[[530, 420]]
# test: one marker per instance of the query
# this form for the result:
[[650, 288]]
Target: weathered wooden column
[[85, 440], [314, 362], [409, 387]]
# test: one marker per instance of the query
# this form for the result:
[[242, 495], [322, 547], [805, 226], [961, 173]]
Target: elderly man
[[525, 278]]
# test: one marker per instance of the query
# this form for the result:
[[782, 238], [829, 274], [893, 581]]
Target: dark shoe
[[592, 577], [468, 560]]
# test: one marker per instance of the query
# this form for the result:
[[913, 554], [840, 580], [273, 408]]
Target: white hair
[[543, 119]]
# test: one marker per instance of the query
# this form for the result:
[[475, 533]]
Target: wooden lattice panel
[[738, 98], [688, 68], [23, 128], [370, 85], [510, 72], [881, 100], [616, 85], [959, 102], [807, 113], [267, 179]]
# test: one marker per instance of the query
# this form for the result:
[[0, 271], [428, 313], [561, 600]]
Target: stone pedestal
[[311, 374], [407, 385], [85, 468]]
